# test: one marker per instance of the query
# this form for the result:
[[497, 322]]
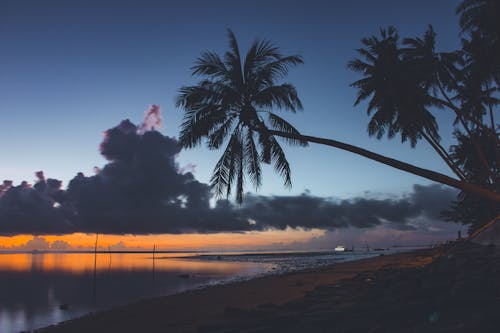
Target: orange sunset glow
[[246, 240]]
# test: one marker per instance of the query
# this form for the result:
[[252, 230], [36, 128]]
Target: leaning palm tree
[[235, 102], [230, 103]]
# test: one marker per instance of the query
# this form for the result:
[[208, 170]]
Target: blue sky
[[69, 70]]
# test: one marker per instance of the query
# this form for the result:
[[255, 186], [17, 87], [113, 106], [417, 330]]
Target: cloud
[[31, 210], [433, 199], [422, 232], [141, 190], [60, 245], [152, 120], [37, 243]]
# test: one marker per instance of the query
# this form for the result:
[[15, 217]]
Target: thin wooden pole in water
[[154, 250], [109, 250], [95, 265]]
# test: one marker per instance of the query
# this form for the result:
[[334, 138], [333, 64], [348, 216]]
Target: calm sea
[[40, 289]]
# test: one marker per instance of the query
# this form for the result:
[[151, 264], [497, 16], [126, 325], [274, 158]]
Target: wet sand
[[229, 305]]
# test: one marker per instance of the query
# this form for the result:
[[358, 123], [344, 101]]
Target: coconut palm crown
[[234, 103], [397, 90]]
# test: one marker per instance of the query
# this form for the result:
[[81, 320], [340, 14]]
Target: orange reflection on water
[[83, 263]]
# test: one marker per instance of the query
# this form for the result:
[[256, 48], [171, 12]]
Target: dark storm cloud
[[32, 210], [314, 212], [142, 191], [430, 199], [306, 211]]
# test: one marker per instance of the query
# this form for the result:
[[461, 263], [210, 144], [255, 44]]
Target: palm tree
[[478, 91], [398, 83], [470, 209], [482, 74], [479, 20], [481, 16], [235, 102], [435, 72], [230, 102]]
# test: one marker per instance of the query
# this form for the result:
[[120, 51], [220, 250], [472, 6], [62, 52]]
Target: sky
[[70, 70]]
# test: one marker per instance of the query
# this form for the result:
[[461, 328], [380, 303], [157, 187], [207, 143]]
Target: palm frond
[[198, 124], [265, 145], [281, 164], [232, 61], [267, 74], [358, 65], [260, 53], [223, 173], [240, 181], [217, 135], [282, 125], [210, 64], [282, 96], [252, 160]]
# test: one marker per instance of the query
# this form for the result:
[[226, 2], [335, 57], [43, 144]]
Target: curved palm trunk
[[425, 173], [463, 117], [492, 119], [483, 228], [477, 147], [444, 156]]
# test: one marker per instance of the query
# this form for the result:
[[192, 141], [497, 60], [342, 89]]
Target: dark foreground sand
[[450, 289]]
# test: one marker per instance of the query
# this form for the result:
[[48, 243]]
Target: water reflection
[[34, 286]]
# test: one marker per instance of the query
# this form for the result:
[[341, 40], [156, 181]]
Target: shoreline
[[220, 304]]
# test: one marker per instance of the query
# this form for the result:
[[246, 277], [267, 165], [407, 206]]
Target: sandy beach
[[234, 305]]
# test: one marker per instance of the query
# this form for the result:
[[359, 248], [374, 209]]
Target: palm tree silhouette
[[437, 72], [471, 208], [401, 84], [236, 99], [479, 19], [234, 96], [398, 81]]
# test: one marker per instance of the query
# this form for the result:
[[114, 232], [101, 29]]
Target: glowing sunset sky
[[73, 69]]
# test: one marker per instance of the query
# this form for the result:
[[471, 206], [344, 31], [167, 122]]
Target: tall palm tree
[[434, 72], [399, 85], [479, 20], [236, 97], [482, 77], [440, 72], [444, 72], [235, 94]]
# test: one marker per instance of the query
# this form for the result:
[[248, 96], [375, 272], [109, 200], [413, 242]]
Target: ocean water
[[41, 289]]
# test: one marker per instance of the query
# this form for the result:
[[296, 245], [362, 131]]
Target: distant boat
[[339, 248]]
